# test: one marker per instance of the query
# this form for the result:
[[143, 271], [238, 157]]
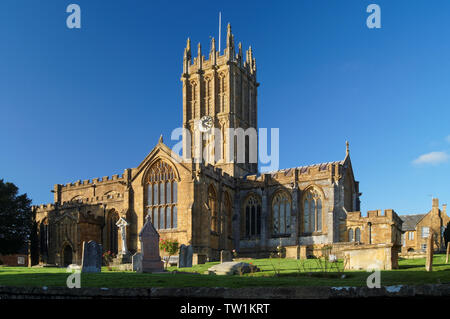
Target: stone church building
[[216, 206]]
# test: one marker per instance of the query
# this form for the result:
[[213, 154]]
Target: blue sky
[[79, 104]]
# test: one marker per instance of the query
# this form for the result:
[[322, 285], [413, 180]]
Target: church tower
[[221, 92]]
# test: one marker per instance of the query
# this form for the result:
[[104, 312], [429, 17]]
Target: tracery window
[[162, 196], [281, 214], [212, 204], [228, 208], [312, 212], [252, 217]]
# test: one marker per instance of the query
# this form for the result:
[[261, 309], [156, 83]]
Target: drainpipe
[[370, 232]]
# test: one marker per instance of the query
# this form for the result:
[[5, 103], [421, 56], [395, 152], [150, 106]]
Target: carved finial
[[347, 151], [188, 45], [213, 45], [160, 139]]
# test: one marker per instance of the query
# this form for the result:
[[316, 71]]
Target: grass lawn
[[411, 272]]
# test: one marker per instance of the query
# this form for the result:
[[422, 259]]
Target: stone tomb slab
[[232, 268]]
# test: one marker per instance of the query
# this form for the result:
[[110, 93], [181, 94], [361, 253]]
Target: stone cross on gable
[[122, 224]]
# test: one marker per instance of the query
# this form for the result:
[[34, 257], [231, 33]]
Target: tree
[[170, 247], [15, 218]]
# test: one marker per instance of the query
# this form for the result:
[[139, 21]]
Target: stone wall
[[400, 291]]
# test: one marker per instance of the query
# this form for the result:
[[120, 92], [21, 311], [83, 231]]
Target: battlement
[[43, 208], [374, 215], [95, 181], [78, 202], [215, 172], [214, 58]]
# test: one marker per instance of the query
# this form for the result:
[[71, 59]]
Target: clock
[[205, 123]]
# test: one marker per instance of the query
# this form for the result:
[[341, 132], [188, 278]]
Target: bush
[[108, 257]]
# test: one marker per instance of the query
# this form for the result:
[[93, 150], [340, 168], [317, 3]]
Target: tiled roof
[[410, 221]]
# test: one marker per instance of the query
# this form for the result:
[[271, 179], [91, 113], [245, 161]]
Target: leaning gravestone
[[429, 262], [225, 255], [149, 238], [136, 261], [92, 257]]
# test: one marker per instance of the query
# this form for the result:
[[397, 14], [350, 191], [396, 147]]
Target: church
[[213, 205]]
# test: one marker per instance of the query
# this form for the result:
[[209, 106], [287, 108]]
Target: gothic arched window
[[112, 231], [357, 235], [350, 234], [228, 209], [252, 217], [212, 204], [161, 202], [281, 214], [312, 211]]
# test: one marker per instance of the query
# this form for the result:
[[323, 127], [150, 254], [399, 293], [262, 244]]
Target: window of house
[[424, 247], [425, 232], [161, 202], [411, 235]]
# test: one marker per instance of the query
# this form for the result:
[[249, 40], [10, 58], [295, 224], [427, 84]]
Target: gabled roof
[[410, 221]]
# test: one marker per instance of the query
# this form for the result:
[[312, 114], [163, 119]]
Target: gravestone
[[92, 257], [448, 252], [429, 262], [189, 254], [225, 255], [185, 256], [198, 259], [124, 256], [149, 238], [182, 257], [136, 261]]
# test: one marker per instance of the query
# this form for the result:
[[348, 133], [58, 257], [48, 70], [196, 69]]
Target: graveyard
[[274, 272]]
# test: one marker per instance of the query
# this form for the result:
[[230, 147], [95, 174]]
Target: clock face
[[205, 123]]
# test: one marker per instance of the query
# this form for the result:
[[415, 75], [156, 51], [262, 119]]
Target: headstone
[[182, 256], [136, 261], [149, 238], [429, 262], [92, 257], [198, 259], [189, 254], [185, 256], [225, 255], [448, 252]]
